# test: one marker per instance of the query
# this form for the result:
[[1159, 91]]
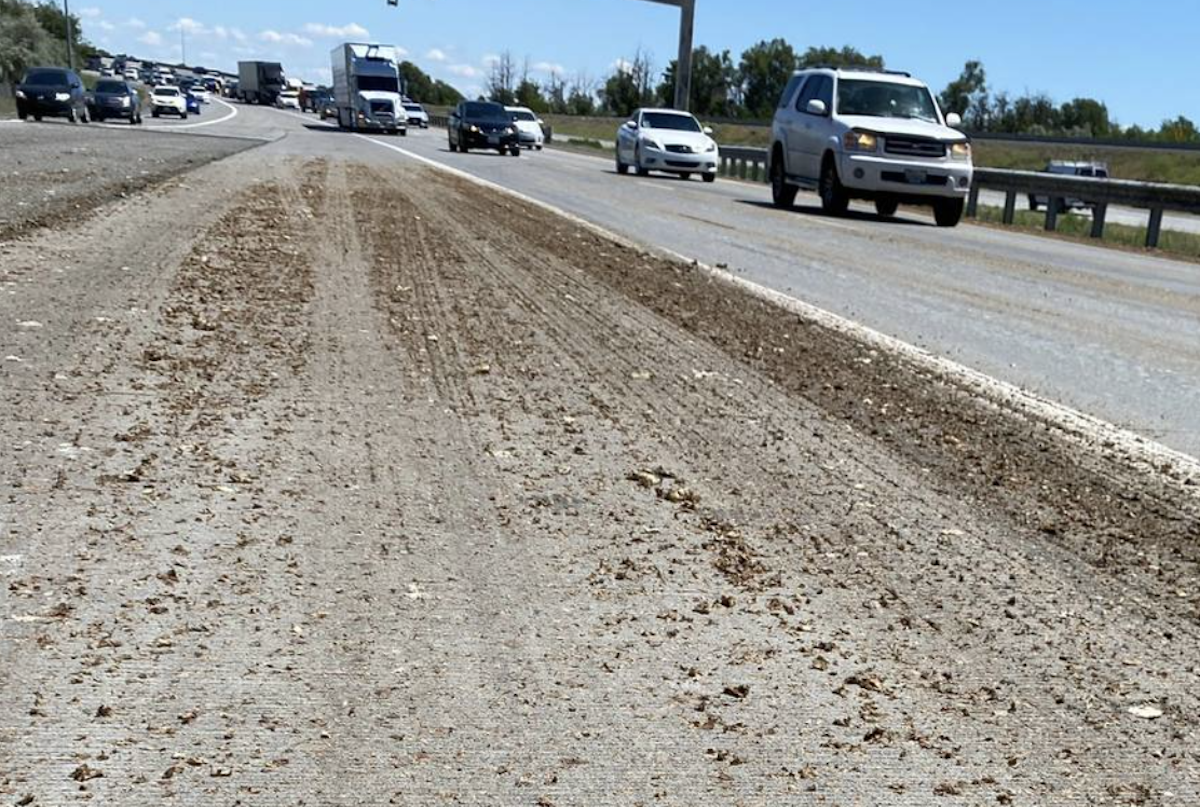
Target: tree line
[[749, 87], [36, 34]]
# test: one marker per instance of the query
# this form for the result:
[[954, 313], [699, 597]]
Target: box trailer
[[366, 88], [260, 82]]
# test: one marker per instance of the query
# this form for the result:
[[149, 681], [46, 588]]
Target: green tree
[[24, 42], [765, 70], [629, 86], [833, 57], [968, 96], [420, 87], [1180, 130], [529, 94], [714, 81], [1086, 117]]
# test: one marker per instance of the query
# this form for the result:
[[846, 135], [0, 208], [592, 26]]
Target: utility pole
[[182, 47], [70, 35], [683, 67]]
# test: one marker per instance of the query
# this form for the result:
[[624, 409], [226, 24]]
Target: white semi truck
[[366, 88]]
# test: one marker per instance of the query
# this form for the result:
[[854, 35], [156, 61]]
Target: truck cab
[[366, 88]]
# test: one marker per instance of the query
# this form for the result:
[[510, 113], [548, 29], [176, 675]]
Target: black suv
[[52, 92], [114, 98], [484, 125]]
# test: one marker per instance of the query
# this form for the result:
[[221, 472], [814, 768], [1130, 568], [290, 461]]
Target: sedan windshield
[[413, 108], [111, 87], [485, 111], [46, 78], [884, 99], [665, 120], [523, 116]]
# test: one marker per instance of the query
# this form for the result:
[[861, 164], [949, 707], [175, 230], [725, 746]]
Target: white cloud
[[151, 38], [463, 70], [187, 25], [350, 30], [621, 66], [89, 13], [134, 22], [491, 60], [285, 38], [105, 25], [436, 55], [550, 68]]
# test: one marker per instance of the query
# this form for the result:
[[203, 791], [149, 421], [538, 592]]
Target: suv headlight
[[960, 151], [474, 129], [62, 96], [21, 95], [125, 101], [861, 142]]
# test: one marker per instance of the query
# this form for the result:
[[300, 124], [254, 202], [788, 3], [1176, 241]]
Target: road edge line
[[1105, 439]]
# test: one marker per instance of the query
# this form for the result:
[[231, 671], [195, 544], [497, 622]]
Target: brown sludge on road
[[383, 489]]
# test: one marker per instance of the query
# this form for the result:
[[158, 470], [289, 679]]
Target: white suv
[[854, 133]]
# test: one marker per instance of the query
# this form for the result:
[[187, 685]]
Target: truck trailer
[[366, 88], [260, 82]]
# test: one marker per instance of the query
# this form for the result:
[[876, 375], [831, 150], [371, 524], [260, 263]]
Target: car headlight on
[[62, 96], [862, 142], [125, 101], [21, 95], [960, 151], [509, 130]]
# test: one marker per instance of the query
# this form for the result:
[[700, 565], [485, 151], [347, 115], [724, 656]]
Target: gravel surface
[[57, 172], [463, 504]]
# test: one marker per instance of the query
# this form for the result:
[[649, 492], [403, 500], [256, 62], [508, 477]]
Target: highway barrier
[[1053, 190]]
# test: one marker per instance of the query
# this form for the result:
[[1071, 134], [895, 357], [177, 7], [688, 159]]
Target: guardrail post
[[1052, 215], [742, 165], [973, 202], [1010, 206], [1099, 214], [1155, 229], [723, 167]]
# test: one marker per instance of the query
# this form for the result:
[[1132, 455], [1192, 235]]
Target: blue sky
[[1067, 48]]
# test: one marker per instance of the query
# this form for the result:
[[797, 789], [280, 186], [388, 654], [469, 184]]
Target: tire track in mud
[[524, 273]]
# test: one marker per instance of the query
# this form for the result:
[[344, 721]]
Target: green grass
[[8, 106], [1079, 228]]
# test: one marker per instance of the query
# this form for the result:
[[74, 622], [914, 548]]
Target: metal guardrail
[[1156, 198], [1096, 193]]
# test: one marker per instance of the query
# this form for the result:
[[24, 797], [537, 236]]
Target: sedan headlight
[[711, 147], [508, 130], [862, 142], [62, 96], [21, 95], [654, 144], [960, 151]]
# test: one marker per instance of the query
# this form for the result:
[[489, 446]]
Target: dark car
[[193, 103], [483, 125], [52, 92], [113, 98]]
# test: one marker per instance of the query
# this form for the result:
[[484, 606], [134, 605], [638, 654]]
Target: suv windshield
[[413, 107], [885, 99], [166, 91], [46, 78], [664, 120], [115, 87]]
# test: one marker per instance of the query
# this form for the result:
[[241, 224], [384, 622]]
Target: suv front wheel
[[782, 194], [948, 212], [834, 199]]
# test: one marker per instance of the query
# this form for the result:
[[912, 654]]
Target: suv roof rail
[[857, 69]]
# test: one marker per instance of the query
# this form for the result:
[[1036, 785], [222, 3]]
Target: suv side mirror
[[954, 120], [816, 107]]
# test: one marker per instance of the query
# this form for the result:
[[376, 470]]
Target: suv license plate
[[493, 140], [916, 177]]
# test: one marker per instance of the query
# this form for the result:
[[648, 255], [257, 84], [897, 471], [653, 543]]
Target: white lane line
[[173, 127], [1090, 433]]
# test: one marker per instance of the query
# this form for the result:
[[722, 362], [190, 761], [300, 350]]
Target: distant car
[[1096, 170], [200, 92], [168, 101], [328, 108], [315, 100], [666, 140], [483, 125], [52, 92], [192, 102], [131, 74], [529, 127], [288, 99], [114, 98], [416, 114]]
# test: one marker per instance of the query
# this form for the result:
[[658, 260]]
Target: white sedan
[[669, 141], [167, 101], [529, 127]]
